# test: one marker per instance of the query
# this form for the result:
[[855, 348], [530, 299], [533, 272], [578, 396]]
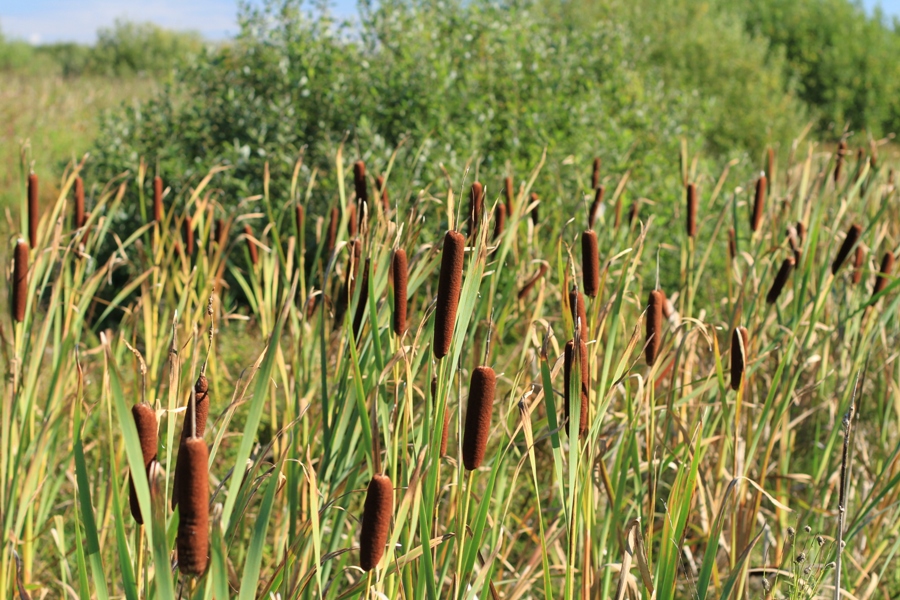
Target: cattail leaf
[[126, 572], [92, 542], [737, 572], [252, 565]]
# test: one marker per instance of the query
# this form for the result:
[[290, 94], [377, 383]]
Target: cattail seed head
[[157, 199], [569, 361], [221, 233], [858, 261], [352, 221], [476, 206], [382, 189], [529, 285], [759, 203], [251, 247], [499, 220], [20, 281], [881, 280], [331, 236], [449, 288], [195, 417], [535, 216], [33, 209], [691, 210], [579, 314], [595, 175], [594, 211], [732, 244], [510, 192], [192, 539], [80, 217], [401, 278], [654, 325], [359, 182], [363, 300], [376, 521], [853, 235], [478, 416], [590, 263], [781, 279], [633, 212], [189, 235], [145, 422], [740, 345]]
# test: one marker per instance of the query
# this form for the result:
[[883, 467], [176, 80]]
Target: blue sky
[[67, 20]]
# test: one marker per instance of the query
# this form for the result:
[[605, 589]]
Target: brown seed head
[[654, 325], [352, 221], [499, 220], [376, 521], [781, 279], [529, 285], [80, 218], [535, 217], [33, 209], [570, 359], [759, 203], [853, 235], [331, 236], [691, 194], [858, 262], [740, 345], [594, 211], [595, 175], [579, 314], [449, 288], [881, 280], [221, 233], [20, 281], [192, 539], [363, 300], [145, 422], [510, 195], [157, 199], [382, 189], [590, 263], [197, 406], [732, 244], [476, 206], [359, 182], [633, 212], [251, 247], [478, 416], [401, 278]]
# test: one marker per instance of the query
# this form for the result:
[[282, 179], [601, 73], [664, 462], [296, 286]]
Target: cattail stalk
[[157, 199], [33, 210], [476, 207], [20, 281], [449, 288], [590, 263], [579, 314], [192, 540], [376, 521], [740, 344], [594, 211], [478, 416], [781, 279], [401, 278], [759, 203], [691, 199], [853, 235], [654, 326], [145, 421], [570, 358], [881, 280]]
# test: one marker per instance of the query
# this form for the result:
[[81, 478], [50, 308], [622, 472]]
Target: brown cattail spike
[[359, 183], [853, 235], [781, 279], [382, 189], [881, 280], [579, 314], [478, 416], [331, 236], [476, 207], [654, 325], [352, 221], [633, 212], [33, 208], [510, 195], [192, 539], [499, 220], [449, 288], [691, 199], [732, 244], [157, 199], [595, 174], [220, 234], [759, 203], [80, 217], [251, 247], [20, 281], [363, 300], [195, 416], [401, 278], [570, 358], [590, 263], [740, 344], [376, 521], [145, 421], [858, 261], [529, 285], [594, 211], [535, 216]]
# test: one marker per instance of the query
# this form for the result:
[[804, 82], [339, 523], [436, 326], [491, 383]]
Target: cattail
[[740, 343], [80, 219], [32, 209], [192, 539], [510, 195], [691, 210], [781, 278], [595, 176], [157, 199], [759, 202], [499, 220], [363, 300], [535, 216], [189, 235], [881, 280], [853, 235], [401, 275], [654, 325], [449, 288], [594, 211], [299, 217], [195, 417], [801, 232], [579, 314], [145, 421], [590, 263], [858, 261], [478, 416], [529, 285], [382, 189], [476, 206], [376, 521], [20, 281], [770, 167], [359, 182], [732, 244], [221, 234], [569, 359], [331, 236], [839, 160], [351, 221], [254, 252], [87, 231], [633, 212]]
